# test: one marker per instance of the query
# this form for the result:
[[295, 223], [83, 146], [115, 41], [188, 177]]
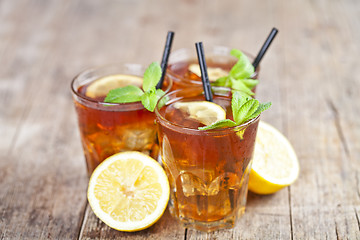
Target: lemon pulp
[[203, 111], [128, 191], [102, 86]]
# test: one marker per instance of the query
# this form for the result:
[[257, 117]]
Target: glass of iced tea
[[183, 66], [208, 170], [109, 128]]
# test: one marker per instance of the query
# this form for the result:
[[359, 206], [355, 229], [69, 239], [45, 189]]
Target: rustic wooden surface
[[311, 74]]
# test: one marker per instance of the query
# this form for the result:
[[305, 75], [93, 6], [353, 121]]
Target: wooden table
[[311, 75]]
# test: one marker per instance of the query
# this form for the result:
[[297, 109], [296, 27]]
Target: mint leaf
[[164, 100], [250, 83], [223, 81], [152, 76], [124, 95], [244, 108], [239, 77], [149, 100], [238, 99], [243, 68], [243, 112], [240, 86], [219, 124], [237, 53], [254, 105], [262, 107], [159, 93], [131, 93], [248, 110]]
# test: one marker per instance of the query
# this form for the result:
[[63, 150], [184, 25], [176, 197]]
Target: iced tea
[[108, 128], [218, 58], [208, 170]]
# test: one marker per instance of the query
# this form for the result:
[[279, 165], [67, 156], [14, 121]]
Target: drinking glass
[[109, 128], [208, 170]]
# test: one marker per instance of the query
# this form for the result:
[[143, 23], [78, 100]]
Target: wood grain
[[310, 74]]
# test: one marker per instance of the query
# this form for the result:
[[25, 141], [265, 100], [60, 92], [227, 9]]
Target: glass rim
[[179, 128], [93, 69]]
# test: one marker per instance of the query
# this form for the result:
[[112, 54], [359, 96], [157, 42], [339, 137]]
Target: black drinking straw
[[264, 48], [165, 58], [203, 69]]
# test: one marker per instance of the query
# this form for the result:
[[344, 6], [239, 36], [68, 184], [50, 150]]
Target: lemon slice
[[213, 73], [129, 191], [203, 111], [275, 164], [102, 86]]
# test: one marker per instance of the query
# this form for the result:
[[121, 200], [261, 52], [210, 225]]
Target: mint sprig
[[243, 107], [148, 96], [239, 77]]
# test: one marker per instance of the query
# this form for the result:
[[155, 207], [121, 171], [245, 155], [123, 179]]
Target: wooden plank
[[40, 178], [40, 193], [13, 84], [320, 206], [344, 103]]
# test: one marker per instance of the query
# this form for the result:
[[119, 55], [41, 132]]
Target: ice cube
[[137, 139], [192, 185]]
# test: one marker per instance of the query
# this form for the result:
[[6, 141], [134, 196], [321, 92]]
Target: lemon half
[[275, 164], [203, 111], [128, 191], [102, 86]]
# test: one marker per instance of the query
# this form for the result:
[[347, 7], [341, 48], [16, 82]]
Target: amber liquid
[[106, 130], [208, 172], [185, 78]]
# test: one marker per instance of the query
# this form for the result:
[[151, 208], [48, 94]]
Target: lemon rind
[[268, 184], [130, 226]]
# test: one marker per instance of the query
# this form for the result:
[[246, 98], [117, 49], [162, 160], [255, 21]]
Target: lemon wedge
[[275, 164], [203, 111], [102, 86], [128, 191], [213, 73]]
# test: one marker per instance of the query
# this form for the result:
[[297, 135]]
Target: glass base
[[225, 223]]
